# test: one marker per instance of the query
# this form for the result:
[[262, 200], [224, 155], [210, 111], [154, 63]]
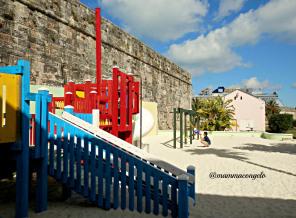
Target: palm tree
[[271, 108], [215, 113]]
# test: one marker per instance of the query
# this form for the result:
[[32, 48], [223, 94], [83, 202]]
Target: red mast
[[98, 52]]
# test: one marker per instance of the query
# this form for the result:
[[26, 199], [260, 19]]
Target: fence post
[[96, 117], [87, 97], [50, 105], [71, 88], [37, 136], [41, 198], [114, 100], [22, 158], [191, 170], [183, 205], [68, 99], [93, 99], [66, 191]]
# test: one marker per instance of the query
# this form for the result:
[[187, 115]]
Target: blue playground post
[[22, 145], [22, 160], [191, 170], [42, 99], [183, 205]]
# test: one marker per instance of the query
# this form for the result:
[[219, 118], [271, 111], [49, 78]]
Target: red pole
[[87, 97], [123, 103], [115, 102], [98, 50], [68, 98], [93, 97]]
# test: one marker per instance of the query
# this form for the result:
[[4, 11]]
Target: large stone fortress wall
[[58, 37]]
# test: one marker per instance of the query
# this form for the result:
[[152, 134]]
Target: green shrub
[[280, 122], [294, 123]]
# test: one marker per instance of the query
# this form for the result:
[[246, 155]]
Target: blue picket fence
[[111, 177]]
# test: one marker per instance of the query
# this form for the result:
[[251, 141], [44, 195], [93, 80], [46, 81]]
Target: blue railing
[[111, 177], [86, 117]]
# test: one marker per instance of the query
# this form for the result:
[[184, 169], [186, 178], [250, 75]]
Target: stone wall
[[58, 37]]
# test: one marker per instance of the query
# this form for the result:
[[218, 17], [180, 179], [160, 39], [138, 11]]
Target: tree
[[280, 122], [271, 108], [215, 113]]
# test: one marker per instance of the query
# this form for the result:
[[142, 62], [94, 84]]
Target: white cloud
[[214, 52], [226, 7], [158, 19], [254, 83]]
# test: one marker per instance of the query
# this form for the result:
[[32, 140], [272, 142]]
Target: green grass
[[292, 131]]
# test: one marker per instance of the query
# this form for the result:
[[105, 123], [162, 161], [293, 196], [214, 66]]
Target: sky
[[231, 43]]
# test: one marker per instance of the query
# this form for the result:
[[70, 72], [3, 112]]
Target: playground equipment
[[116, 99], [148, 124], [97, 165], [9, 107], [15, 100], [183, 125]]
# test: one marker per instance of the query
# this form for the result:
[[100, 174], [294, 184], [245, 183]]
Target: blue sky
[[231, 43]]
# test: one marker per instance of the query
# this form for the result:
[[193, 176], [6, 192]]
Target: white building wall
[[249, 111]]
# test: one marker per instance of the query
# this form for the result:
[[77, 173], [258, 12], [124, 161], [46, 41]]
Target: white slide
[[147, 124]]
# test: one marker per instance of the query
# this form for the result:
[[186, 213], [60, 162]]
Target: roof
[[246, 94]]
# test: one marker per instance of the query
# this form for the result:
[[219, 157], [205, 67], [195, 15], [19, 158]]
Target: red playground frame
[[116, 99]]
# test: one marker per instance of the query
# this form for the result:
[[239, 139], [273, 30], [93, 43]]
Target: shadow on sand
[[225, 153], [275, 147], [170, 143], [206, 206], [232, 206]]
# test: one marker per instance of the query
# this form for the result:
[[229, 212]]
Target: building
[[268, 97], [221, 91], [289, 110], [249, 111]]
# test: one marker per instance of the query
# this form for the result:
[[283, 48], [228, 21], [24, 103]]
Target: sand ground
[[272, 196]]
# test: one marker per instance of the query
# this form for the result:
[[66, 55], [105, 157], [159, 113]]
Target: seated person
[[205, 140]]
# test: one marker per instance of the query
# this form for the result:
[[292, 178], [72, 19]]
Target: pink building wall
[[249, 111]]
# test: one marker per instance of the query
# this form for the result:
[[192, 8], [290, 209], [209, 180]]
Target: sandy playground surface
[[272, 196]]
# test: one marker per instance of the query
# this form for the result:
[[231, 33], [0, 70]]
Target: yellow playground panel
[[80, 94], [10, 89]]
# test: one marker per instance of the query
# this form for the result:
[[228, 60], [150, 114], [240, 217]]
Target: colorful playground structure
[[106, 170], [88, 149], [117, 100]]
